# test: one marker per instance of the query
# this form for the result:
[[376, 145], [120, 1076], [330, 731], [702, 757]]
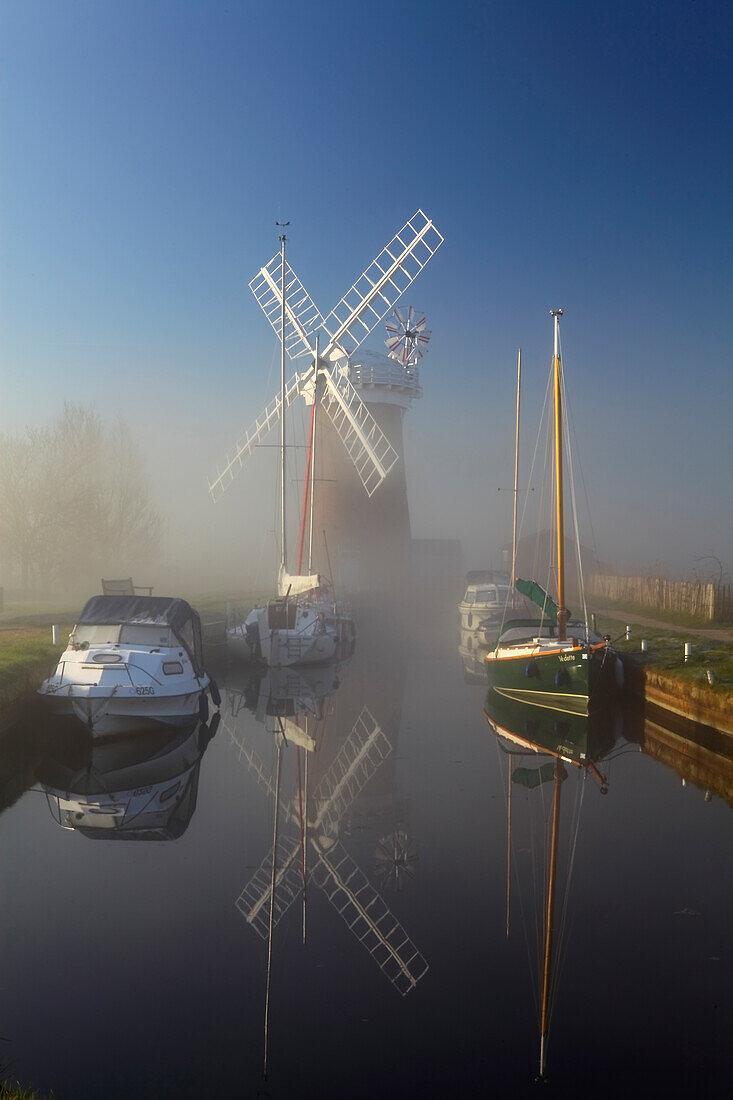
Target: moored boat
[[549, 661], [132, 661], [484, 600]]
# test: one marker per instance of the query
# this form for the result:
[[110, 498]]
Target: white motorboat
[[484, 601], [132, 661]]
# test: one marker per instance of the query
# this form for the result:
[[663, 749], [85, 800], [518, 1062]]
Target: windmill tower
[[340, 381], [370, 539]]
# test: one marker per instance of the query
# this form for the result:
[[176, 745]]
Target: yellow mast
[[516, 483], [557, 366]]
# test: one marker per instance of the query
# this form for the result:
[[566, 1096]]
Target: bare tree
[[74, 501]]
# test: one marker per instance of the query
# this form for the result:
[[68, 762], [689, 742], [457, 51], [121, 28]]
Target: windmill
[[332, 377], [407, 338], [360, 310]]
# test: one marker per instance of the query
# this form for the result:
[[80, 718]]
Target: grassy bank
[[17, 1092], [666, 678], [26, 656]]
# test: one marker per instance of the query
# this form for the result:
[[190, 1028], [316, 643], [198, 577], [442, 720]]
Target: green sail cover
[[538, 596], [532, 777]]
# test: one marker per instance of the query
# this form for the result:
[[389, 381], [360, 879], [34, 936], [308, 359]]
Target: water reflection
[[322, 765], [128, 788], [472, 649], [538, 744]]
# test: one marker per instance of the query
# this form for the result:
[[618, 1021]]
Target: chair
[[125, 587]]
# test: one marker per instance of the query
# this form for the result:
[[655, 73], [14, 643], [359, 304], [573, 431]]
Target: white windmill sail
[[346, 886], [370, 298], [302, 316], [378, 289]]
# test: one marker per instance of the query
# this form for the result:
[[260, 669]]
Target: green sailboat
[[553, 661]]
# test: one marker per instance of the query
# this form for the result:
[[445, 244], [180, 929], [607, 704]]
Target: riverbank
[[27, 655], [697, 685]]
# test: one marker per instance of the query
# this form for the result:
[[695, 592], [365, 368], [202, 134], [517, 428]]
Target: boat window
[[107, 658], [172, 668], [147, 634], [486, 595], [469, 597], [88, 634]]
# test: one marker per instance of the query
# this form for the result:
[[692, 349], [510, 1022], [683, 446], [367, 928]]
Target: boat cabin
[[154, 622]]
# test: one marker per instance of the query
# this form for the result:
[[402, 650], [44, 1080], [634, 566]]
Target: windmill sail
[[366, 444], [378, 288], [302, 316], [371, 297]]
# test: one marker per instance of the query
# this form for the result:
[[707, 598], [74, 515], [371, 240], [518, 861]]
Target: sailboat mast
[[283, 543], [557, 367], [516, 483], [313, 462]]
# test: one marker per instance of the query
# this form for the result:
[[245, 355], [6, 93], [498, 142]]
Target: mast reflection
[[544, 746]]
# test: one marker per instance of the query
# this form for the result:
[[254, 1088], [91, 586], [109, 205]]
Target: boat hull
[[105, 713], [325, 639], [568, 680]]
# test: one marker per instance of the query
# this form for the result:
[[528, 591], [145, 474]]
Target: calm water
[[140, 969]]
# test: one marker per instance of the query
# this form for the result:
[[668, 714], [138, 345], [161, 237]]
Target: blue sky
[[572, 154]]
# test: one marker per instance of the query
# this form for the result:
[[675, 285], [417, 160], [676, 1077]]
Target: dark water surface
[[128, 968]]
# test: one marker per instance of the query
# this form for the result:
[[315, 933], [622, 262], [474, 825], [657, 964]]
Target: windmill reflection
[[307, 849]]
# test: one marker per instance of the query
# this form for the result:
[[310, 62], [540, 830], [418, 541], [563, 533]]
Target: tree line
[[74, 503]]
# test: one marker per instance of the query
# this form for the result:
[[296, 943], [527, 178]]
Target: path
[[717, 633]]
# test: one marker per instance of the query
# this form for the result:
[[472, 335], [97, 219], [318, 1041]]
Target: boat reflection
[[132, 788], [472, 649], [544, 746], [325, 768]]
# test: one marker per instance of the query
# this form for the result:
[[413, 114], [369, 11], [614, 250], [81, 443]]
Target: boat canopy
[[155, 610], [150, 611]]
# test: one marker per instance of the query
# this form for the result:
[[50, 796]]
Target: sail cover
[[298, 585], [533, 777], [538, 596]]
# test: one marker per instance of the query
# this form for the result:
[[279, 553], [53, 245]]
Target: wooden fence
[[710, 601]]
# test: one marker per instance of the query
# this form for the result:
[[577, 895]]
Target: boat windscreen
[[85, 634]]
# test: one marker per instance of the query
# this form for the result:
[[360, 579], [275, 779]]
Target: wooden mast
[[516, 483], [561, 613]]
